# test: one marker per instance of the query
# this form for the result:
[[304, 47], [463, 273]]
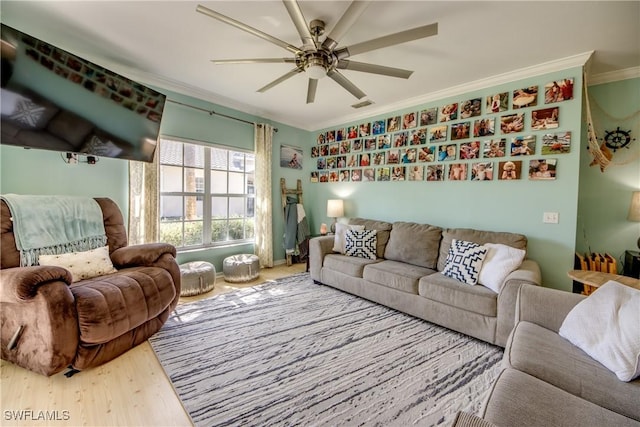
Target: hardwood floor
[[131, 390]]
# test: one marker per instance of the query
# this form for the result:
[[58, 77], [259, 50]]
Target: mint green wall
[[604, 197], [31, 171], [515, 206]]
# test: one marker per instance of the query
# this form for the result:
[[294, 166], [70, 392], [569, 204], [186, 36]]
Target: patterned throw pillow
[[464, 261], [361, 243], [82, 265]]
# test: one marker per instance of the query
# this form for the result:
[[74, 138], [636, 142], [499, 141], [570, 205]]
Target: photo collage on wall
[[503, 136], [124, 92]]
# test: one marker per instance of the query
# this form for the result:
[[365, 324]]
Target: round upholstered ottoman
[[241, 268], [197, 277]]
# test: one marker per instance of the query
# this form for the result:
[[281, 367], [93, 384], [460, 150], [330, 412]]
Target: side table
[[592, 280]]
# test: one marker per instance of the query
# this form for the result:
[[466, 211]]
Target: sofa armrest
[[22, 283], [465, 419], [544, 306], [527, 273], [318, 248], [37, 302], [141, 255]]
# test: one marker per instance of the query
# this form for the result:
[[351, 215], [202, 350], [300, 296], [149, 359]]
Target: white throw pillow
[[464, 261], [498, 263], [82, 265], [606, 326], [339, 240]]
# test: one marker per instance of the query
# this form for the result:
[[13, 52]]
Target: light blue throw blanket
[[49, 225]]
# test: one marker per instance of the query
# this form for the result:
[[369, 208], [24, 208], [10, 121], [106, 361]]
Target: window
[[207, 196]]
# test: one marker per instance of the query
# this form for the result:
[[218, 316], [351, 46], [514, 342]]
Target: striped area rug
[[296, 353]]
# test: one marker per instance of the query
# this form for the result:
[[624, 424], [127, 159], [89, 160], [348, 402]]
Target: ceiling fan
[[319, 59]]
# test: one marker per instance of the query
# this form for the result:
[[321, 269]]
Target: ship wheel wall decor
[[618, 138]]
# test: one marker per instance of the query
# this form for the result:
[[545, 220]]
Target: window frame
[[207, 196]]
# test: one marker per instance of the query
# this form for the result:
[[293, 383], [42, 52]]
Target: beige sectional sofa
[[547, 381], [407, 276]]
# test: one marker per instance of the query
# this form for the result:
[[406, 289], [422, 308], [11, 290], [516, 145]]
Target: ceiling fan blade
[[223, 18], [301, 24], [345, 83], [254, 61], [390, 40], [344, 64], [311, 90], [352, 13], [280, 80]]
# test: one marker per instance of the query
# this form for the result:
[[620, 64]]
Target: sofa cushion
[[70, 127], [361, 243], [397, 275], [383, 228], [413, 243], [606, 326], [518, 399], [110, 306], [477, 299], [349, 265], [464, 261], [480, 237], [544, 354]]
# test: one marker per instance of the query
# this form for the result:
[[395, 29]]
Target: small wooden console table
[[592, 280]]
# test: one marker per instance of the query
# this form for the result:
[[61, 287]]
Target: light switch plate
[[550, 217]]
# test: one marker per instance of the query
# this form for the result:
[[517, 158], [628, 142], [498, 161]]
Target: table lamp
[[335, 209], [634, 210]]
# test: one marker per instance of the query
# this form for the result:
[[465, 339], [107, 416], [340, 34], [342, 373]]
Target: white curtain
[[263, 214], [143, 200]]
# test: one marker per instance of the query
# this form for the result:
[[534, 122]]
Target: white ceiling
[[168, 43]]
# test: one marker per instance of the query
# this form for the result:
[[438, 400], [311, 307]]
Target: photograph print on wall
[[523, 145], [457, 172], [449, 112], [426, 154], [428, 116], [482, 171], [368, 175], [543, 169], [558, 90], [290, 157], [510, 170], [470, 150], [364, 129], [447, 152], [526, 97], [470, 108], [435, 173], [416, 173], [409, 121], [438, 133], [512, 123], [546, 118], [356, 175], [494, 148], [556, 143], [378, 127], [497, 103], [383, 174], [341, 134], [484, 127], [352, 132], [460, 130], [418, 137], [393, 124]]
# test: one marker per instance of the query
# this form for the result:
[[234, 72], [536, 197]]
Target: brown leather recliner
[[89, 322]]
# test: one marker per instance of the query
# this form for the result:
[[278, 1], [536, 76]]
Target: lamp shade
[[335, 208], [634, 209]]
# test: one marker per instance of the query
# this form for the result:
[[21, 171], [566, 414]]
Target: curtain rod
[[212, 112]]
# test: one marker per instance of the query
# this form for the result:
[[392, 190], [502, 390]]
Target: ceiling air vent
[[363, 104]]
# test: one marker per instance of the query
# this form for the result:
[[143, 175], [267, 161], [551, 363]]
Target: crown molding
[[161, 82], [578, 60], [614, 76]]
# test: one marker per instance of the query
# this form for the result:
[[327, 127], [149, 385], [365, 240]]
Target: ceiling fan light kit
[[318, 59]]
